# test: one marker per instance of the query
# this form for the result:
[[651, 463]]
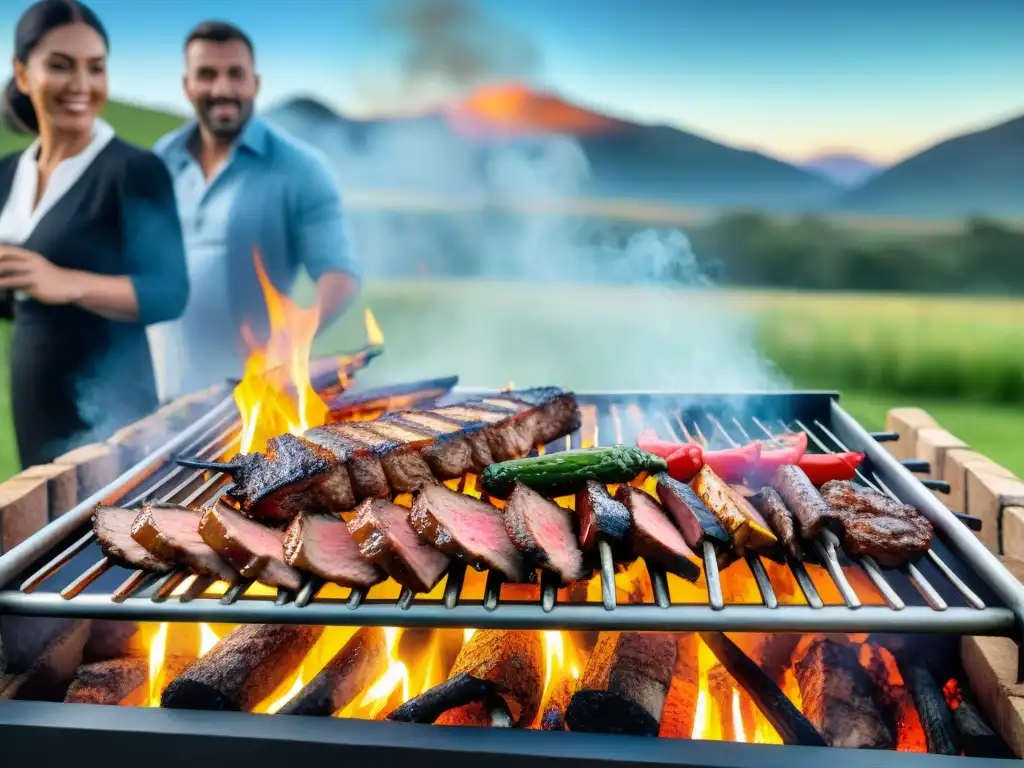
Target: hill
[[846, 170], [975, 173], [511, 140], [139, 125]]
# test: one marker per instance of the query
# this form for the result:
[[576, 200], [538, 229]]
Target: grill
[[960, 588]]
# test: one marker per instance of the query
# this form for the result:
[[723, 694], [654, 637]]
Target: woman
[[90, 243]]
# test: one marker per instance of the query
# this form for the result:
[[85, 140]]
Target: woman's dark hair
[[35, 23]]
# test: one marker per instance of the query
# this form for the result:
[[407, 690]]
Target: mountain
[[844, 169], [510, 139], [976, 173]]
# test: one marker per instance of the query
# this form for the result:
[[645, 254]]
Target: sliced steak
[[405, 467], [542, 531], [653, 537], [468, 528], [172, 534], [451, 454], [322, 545], [113, 528], [363, 460], [385, 536], [255, 551], [600, 515]]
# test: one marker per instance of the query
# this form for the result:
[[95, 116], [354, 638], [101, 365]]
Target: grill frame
[[1003, 596], [44, 734]]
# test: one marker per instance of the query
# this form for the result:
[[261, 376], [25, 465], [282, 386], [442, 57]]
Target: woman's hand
[[22, 270]]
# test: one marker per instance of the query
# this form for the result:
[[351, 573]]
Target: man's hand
[[22, 270]]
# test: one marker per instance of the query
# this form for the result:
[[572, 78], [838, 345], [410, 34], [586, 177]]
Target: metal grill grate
[[939, 594]]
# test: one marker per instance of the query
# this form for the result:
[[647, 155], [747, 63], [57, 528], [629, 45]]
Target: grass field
[[878, 351]]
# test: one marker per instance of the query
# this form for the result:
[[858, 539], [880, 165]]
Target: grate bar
[[713, 577], [764, 584], [235, 591], [90, 575], [492, 590], [309, 591], [803, 580], [659, 585], [453, 584], [549, 583], [604, 552]]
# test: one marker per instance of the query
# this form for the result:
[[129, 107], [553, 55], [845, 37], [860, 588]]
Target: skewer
[[549, 583], [764, 584], [492, 590], [308, 592], [196, 589], [405, 598], [803, 580], [604, 551], [133, 584], [878, 579], [825, 546], [712, 576], [32, 582], [355, 598], [659, 585], [453, 584], [933, 598], [94, 571], [235, 591], [168, 584], [283, 597]]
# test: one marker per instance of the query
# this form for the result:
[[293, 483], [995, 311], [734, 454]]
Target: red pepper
[[649, 441], [795, 446], [733, 464], [822, 467], [685, 462]]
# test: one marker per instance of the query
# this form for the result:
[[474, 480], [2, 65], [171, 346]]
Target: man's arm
[[321, 241]]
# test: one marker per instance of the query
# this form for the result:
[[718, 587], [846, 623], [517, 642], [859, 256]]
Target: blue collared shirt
[[273, 193]]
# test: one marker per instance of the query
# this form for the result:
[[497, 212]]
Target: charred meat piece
[[113, 528], [468, 528], [774, 509], [253, 550], [653, 537], [839, 698], [172, 534], [383, 533], [804, 501], [877, 526], [745, 526], [330, 468], [697, 523], [600, 515], [322, 545], [542, 531]]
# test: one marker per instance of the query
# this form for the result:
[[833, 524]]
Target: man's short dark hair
[[218, 32]]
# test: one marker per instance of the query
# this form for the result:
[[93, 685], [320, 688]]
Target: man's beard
[[225, 129]]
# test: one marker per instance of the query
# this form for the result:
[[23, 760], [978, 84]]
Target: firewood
[[976, 737], [107, 682], [839, 697], [624, 685], [242, 669], [787, 720], [48, 676], [510, 659], [109, 640], [936, 719], [459, 691], [553, 716], [677, 716], [897, 703], [360, 661]]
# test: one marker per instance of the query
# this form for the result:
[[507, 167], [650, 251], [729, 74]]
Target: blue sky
[[790, 77]]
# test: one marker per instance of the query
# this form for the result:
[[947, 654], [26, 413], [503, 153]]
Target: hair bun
[[17, 111]]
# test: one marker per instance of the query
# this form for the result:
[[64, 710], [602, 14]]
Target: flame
[[157, 655], [207, 639], [951, 690], [278, 703], [374, 334], [379, 693]]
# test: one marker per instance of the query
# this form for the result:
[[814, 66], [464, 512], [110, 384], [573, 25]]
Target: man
[[242, 184]]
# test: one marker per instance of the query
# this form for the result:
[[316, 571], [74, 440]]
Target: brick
[[954, 472], [61, 486], [988, 494], [140, 439], [932, 445], [906, 422], [98, 465], [23, 510], [1013, 532], [991, 667]]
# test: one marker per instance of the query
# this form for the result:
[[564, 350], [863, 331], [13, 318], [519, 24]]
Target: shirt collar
[[253, 139]]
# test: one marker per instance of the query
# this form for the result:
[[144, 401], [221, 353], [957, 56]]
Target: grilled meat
[[113, 528], [172, 534], [322, 545], [875, 525], [331, 468], [653, 537], [804, 501], [542, 531], [468, 528], [774, 509], [697, 523], [253, 550], [383, 533], [600, 515], [744, 524]]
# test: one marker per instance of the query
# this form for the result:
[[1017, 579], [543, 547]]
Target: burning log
[[677, 716], [977, 739], [108, 640], [47, 678], [107, 682], [242, 669], [553, 716], [513, 661], [894, 697], [936, 718], [460, 691], [839, 697], [360, 661], [721, 688], [790, 723], [624, 685]]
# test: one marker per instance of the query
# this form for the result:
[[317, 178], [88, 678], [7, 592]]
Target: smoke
[[447, 47]]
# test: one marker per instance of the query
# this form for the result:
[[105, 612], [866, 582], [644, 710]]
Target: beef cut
[[253, 550], [113, 529], [384, 535], [542, 531], [322, 545], [172, 533], [653, 536]]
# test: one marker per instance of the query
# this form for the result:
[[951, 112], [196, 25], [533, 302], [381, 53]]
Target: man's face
[[221, 84]]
